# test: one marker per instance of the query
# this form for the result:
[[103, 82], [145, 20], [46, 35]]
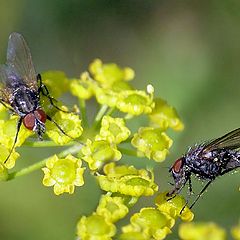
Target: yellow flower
[[68, 122], [83, 88], [151, 223], [10, 163], [112, 208], [64, 174], [152, 143], [135, 102], [95, 227], [106, 96], [201, 231], [121, 86], [165, 116], [113, 130], [127, 180], [8, 130], [99, 152], [173, 207], [108, 74]]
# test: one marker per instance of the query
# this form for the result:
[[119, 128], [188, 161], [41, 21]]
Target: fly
[[21, 87], [207, 161]]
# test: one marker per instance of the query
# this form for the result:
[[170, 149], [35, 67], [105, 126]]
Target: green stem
[[110, 111], [82, 105], [72, 150], [46, 143], [99, 115], [128, 152]]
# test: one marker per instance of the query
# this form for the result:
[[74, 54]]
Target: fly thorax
[[25, 100]]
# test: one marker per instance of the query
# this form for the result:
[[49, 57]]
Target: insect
[[207, 161], [21, 87]]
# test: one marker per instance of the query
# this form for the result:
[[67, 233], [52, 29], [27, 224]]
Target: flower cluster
[[99, 146], [156, 222]]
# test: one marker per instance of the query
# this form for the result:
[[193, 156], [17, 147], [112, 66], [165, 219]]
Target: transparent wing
[[230, 140], [4, 92], [19, 60]]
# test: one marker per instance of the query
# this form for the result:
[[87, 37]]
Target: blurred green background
[[190, 52]]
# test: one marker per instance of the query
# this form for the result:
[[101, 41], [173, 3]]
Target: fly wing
[[230, 140], [19, 61], [5, 92]]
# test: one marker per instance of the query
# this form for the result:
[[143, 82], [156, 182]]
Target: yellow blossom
[[106, 96], [164, 116], [95, 227], [108, 74], [127, 180], [8, 130], [113, 130], [152, 143], [174, 206], [68, 122], [151, 223], [64, 174], [112, 208], [83, 88], [135, 102], [99, 152]]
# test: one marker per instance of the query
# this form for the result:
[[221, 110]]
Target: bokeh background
[[190, 52]]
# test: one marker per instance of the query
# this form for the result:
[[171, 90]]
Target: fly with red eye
[[207, 161], [20, 89]]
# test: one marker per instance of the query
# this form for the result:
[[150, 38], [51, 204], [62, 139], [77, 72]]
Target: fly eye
[[40, 115], [29, 121], [177, 166]]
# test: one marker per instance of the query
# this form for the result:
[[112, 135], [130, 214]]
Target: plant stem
[[110, 111], [46, 143], [99, 115], [72, 150], [82, 105], [128, 152]]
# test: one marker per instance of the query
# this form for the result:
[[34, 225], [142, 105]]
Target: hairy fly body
[[20, 88], [207, 161]]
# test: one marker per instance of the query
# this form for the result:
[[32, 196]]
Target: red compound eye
[[40, 115], [177, 165], [29, 121]]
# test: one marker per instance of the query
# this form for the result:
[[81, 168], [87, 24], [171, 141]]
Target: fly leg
[[6, 106], [201, 192], [230, 169], [44, 90], [189, 194], [60, 129], [176, 191], [15, 140]]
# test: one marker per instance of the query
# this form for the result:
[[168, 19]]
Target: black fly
[[207, 161], [21, 88]]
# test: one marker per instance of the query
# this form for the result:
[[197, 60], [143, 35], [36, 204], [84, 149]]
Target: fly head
[[180, 175], [35, 121]]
